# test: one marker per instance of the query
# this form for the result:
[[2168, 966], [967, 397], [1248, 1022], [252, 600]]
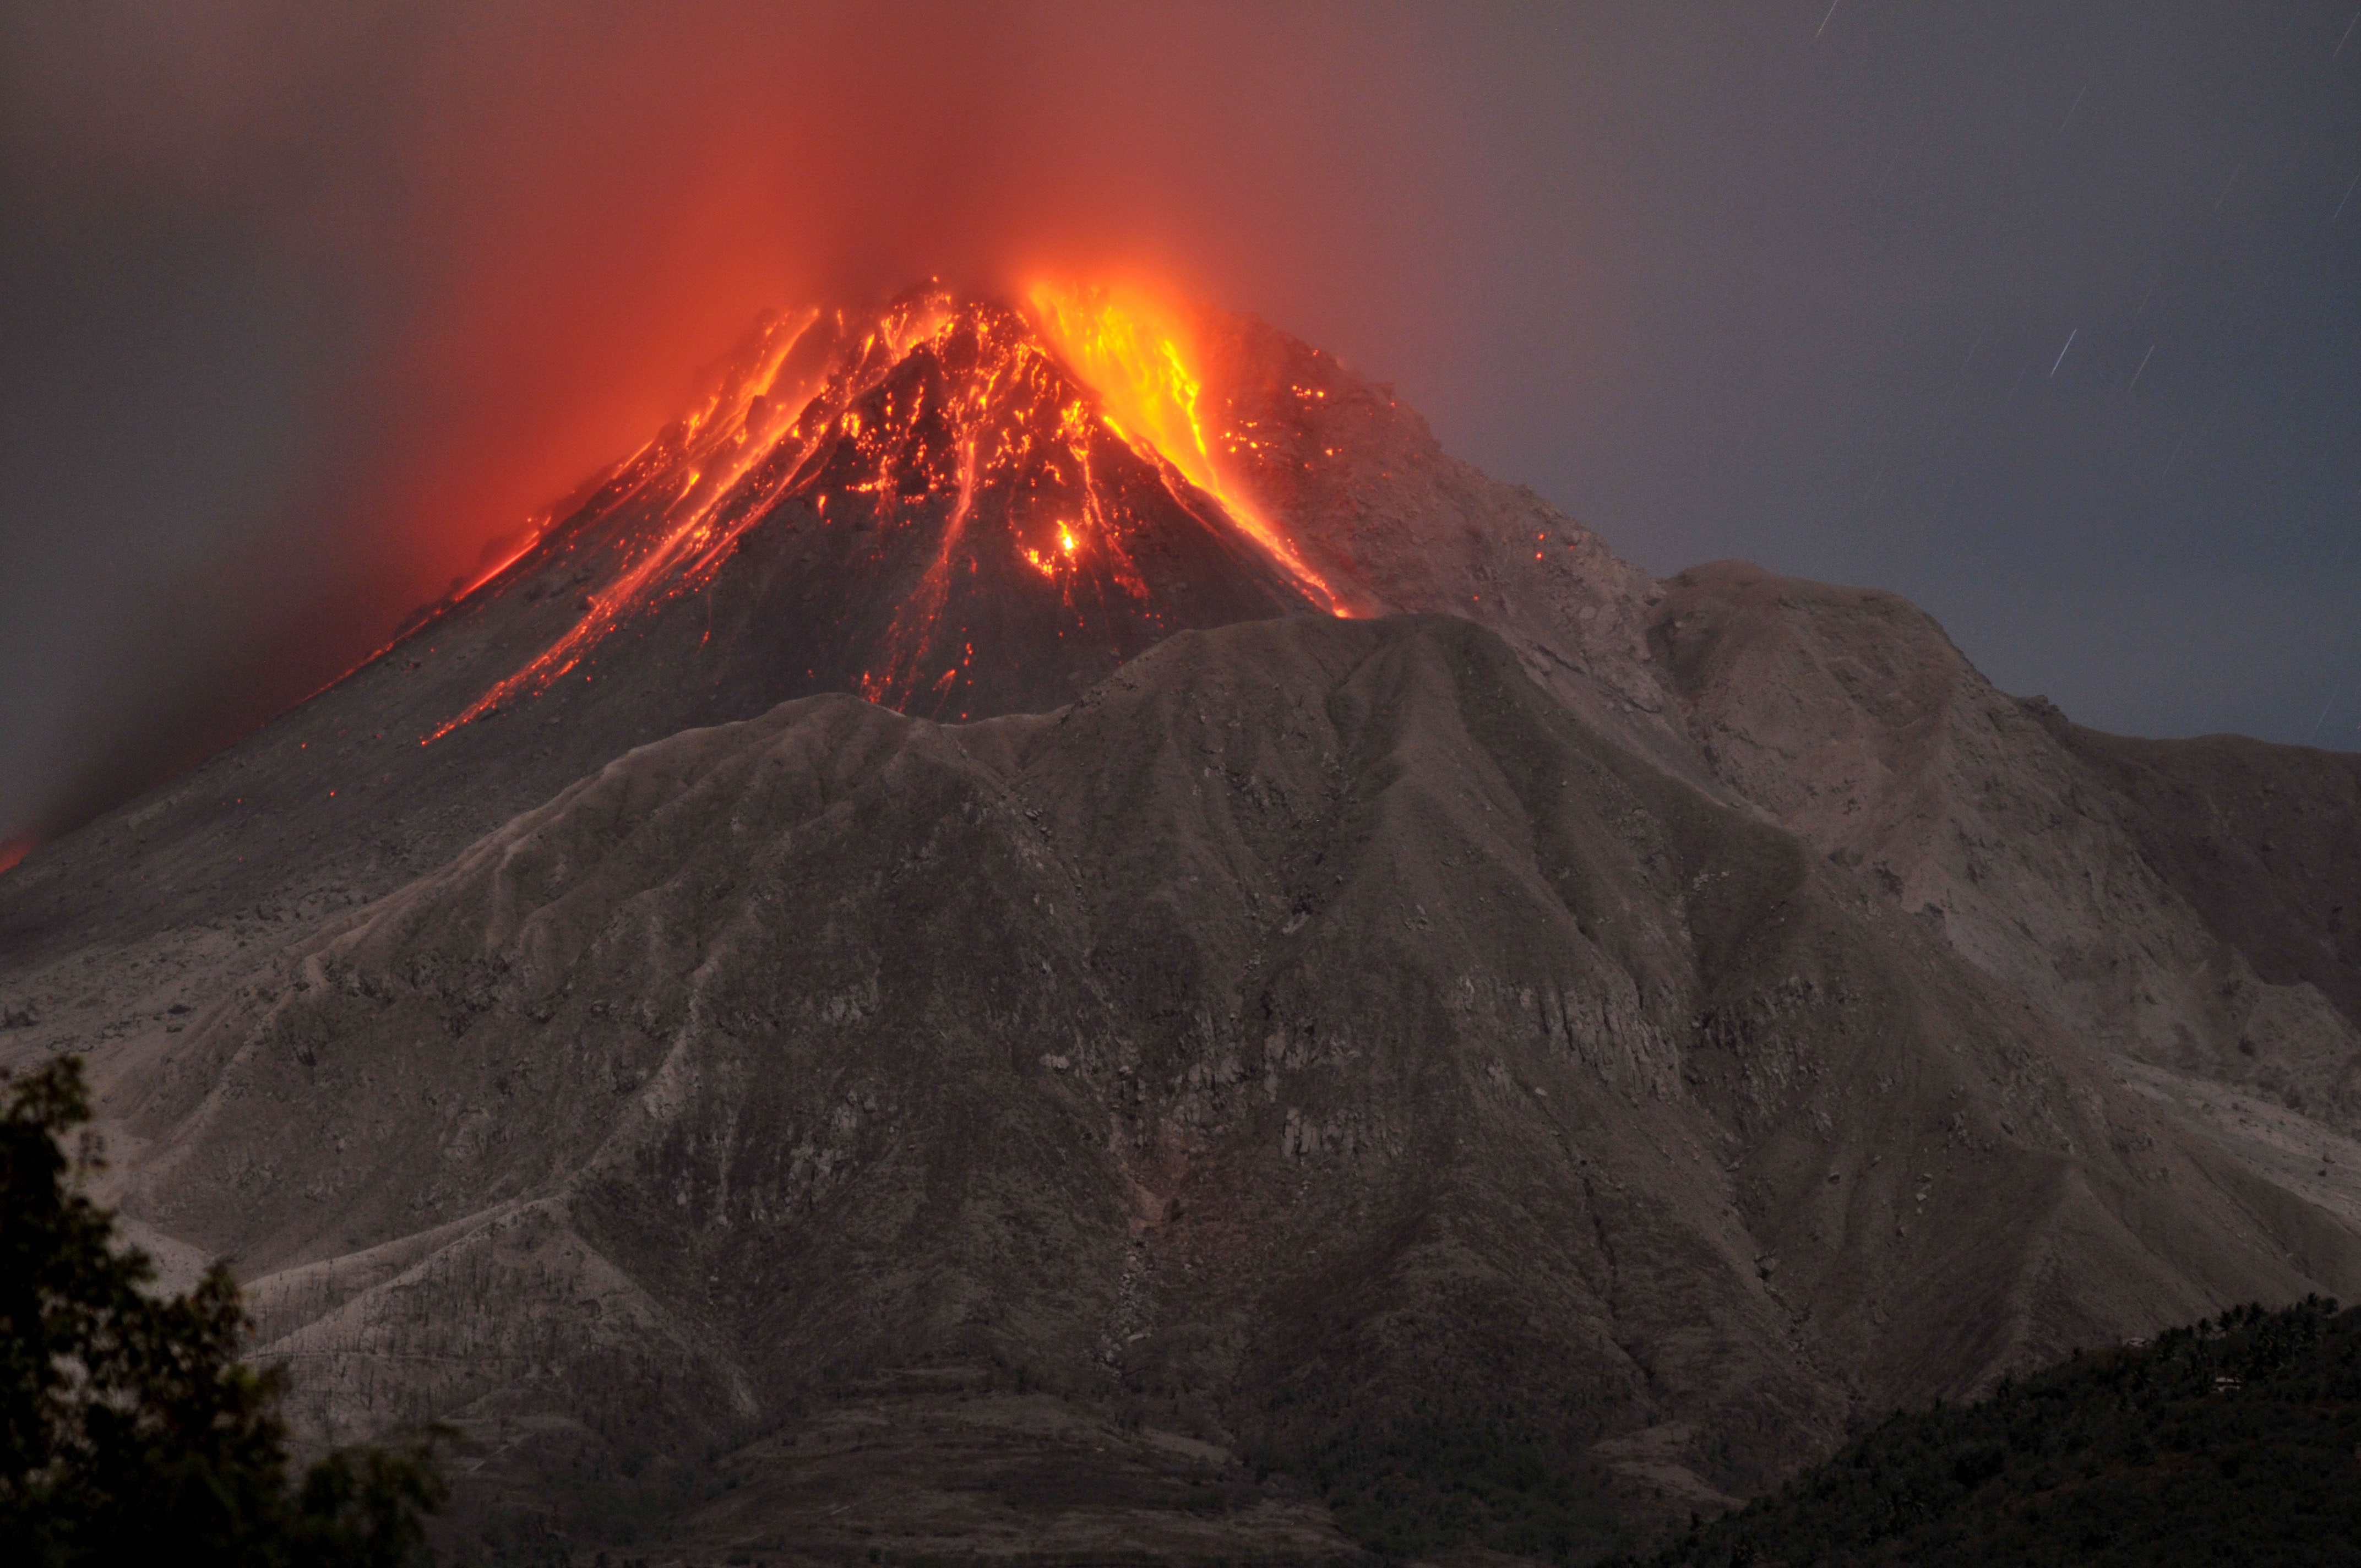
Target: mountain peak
[[972, 477], [954, 506]]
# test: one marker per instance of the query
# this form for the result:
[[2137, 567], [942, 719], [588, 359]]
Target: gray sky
[[1803, 298], [2044, 316]]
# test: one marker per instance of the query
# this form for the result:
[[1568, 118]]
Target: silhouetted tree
[[129, 1432]]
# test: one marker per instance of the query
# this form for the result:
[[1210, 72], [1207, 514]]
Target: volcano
[[938, 459], [1042, 928], [955, 508]]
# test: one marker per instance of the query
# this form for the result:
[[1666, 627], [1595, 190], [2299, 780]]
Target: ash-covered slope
[[2263, 841], [2186, 904], [1316, 1037]]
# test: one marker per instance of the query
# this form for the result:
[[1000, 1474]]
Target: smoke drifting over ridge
[[321, 305]]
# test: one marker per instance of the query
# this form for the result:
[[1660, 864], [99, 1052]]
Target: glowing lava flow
[[1142, 377], [1009, 422], [740, 433], [958, 459]]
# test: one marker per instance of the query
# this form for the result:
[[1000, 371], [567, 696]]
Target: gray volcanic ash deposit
[[1182, 1073]]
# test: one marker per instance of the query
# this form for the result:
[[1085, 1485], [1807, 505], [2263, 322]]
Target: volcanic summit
[[1040, 927], [953, 507], [919, 506]]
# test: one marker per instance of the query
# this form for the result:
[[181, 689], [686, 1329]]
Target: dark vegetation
[[129, 1432], [1479, 1452], [1410, 1490], [2235, 1440]]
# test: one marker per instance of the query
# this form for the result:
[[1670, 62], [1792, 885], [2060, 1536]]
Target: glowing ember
[[737, 427], [1138, 365], [15, 850]]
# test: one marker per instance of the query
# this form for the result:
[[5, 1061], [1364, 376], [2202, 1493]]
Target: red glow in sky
[[507, 237], [604, 215]]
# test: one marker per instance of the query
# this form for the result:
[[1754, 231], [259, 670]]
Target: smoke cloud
[[321, 303]]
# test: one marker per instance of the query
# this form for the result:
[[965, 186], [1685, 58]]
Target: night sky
[[2047, 317]]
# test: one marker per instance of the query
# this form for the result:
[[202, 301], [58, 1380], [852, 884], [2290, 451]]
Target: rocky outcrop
[[2120, 886]]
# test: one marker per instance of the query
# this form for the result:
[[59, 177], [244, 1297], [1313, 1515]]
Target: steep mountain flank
[[1376, 500], [2120, 886], [2263, 841], [1315, 1036]]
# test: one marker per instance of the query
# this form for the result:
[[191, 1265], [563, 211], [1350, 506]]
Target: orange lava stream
[[993, 438], [723, 442], [1140, 371], [1011, 417], [908, 638], [533, 533], [1073, 423]]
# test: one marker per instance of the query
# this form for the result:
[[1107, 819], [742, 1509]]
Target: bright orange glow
[[1067, 544], [533, 530], [15, 850], [1132, 355], [740, 425], [910, 419]]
